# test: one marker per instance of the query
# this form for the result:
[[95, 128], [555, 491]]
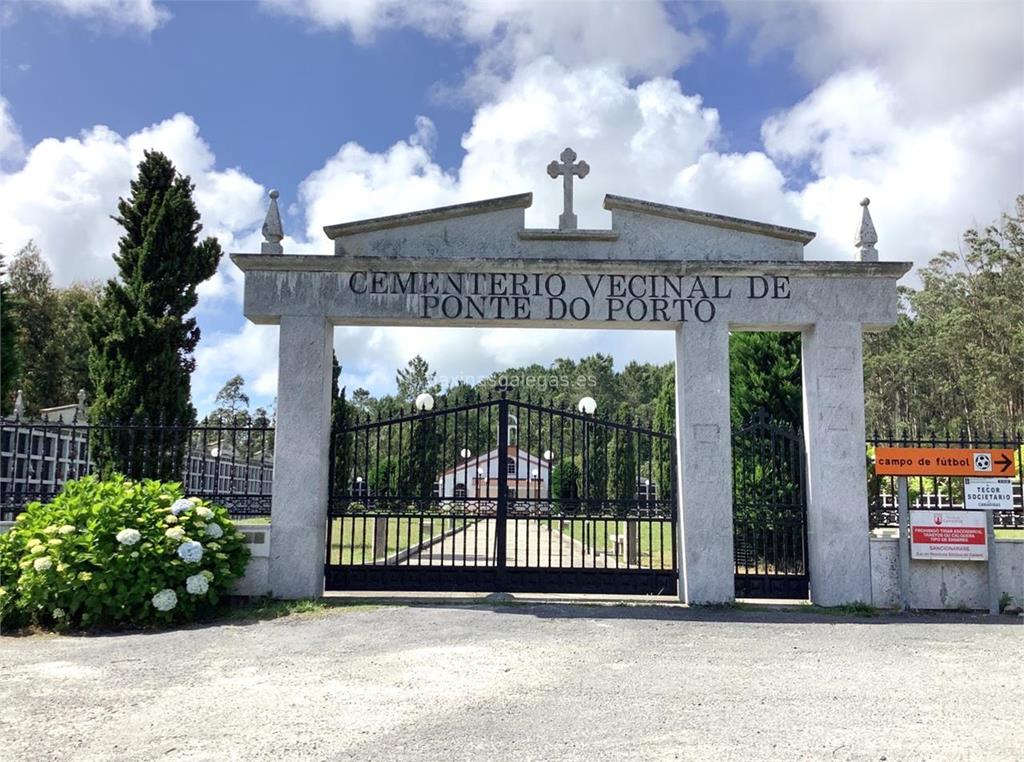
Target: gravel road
[[523, 681]]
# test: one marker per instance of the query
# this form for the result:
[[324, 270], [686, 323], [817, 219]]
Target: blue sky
[[783, 112]]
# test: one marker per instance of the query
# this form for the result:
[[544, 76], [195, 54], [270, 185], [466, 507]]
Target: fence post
[[501, 522], [704, 464], [993, 572], [904, 543], [838, 535], [301, 458]]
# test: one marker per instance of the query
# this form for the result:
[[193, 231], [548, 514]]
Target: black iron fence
[[232, 465], [596, 469], [938, 492], [769, 510]]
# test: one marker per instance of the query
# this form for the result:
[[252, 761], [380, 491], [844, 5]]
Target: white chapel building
[[477, 476]]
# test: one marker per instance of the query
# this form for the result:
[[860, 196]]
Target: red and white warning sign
[[948, 535]]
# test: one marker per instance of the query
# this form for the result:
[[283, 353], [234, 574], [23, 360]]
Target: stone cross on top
[[567, 168]]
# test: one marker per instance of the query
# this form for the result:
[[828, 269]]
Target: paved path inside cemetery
[[522, 682], [529, 544]]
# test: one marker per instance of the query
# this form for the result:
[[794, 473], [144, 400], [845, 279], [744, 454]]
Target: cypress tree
[[764, 372], [142, 340], [8, 346]]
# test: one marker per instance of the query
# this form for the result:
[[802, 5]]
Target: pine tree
[[31, 286], [142, 338], [75, 306], [416, 378], [8, 346], [232, 404]]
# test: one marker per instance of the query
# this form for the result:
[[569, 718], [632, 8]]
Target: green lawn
[[596, 534], [1009, 534], [351, 538]]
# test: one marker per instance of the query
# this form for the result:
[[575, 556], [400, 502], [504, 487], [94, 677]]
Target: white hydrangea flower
[[190, 552], [203, 512], [213, 531], [129, 536], [197, 584], [42, 564], [165, 600], [175, 533], [59, 614], [66, 529], [178, 506]]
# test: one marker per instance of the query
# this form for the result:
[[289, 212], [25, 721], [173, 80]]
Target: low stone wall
[[945, 584], [254, 583], [933, 584]]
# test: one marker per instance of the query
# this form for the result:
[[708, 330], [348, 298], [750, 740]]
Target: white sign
[[948, 536], [981, 494]]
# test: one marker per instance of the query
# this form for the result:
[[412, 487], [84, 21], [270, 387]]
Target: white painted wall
[[490, 465]]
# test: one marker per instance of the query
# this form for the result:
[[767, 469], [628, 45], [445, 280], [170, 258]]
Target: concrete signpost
[[950, 535]]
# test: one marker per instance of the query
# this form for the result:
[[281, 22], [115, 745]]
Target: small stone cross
[[566, 168]]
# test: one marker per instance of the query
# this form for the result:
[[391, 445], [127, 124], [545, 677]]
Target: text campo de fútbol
[[552, 296]]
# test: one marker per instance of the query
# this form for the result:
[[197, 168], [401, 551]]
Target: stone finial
[[567, 169], [80, 409], [866, 236], [273, 231], [19, 405]]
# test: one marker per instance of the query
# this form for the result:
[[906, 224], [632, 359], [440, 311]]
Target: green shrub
[[117, 552]]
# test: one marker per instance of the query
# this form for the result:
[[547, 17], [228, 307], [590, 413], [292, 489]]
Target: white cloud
[[133, 15], [636, 139], [250, 352], [636, 36], [941, 55], [355, 184], [928, 180], [566, 74], [11, 146], [66, 190]]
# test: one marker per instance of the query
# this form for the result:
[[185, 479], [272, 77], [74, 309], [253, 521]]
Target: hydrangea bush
[[117, 552]]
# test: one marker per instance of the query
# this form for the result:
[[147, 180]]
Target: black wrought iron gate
[[769, 510], [502, 495]]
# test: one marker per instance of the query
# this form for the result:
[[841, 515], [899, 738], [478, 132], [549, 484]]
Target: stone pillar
[[837, 496], [301, 458], [704, 463]]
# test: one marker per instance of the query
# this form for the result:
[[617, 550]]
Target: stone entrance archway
[[658, 267]]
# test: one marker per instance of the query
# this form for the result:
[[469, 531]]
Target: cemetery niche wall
[[657, 267]]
